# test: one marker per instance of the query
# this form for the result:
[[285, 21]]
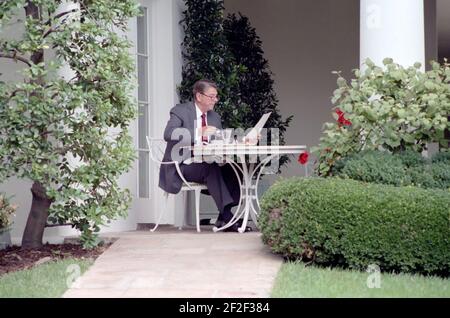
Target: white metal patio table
[[251, 172]]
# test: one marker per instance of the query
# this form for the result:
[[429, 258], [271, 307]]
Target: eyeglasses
[[211, 97]]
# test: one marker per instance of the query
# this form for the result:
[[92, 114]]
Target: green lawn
[[47, 280], [296, 280]]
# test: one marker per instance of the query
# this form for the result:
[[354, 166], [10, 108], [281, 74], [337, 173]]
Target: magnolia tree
[[69, 136], [389, 108]]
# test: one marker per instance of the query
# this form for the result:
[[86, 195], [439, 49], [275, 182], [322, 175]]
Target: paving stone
[[181, 264]]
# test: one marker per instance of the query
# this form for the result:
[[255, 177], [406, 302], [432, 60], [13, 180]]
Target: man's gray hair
[[201, 85]]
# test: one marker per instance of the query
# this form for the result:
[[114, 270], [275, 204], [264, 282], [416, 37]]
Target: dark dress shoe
[[235, 228], [220, 223], [205, 221]]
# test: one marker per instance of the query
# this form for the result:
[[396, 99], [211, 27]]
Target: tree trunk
[[34, 230]]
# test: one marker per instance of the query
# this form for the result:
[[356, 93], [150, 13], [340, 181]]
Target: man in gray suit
[[192, 123]]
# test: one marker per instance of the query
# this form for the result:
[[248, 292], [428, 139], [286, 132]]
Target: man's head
[[205, 94]]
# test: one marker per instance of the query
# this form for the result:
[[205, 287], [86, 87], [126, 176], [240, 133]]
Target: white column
[[392, 28]]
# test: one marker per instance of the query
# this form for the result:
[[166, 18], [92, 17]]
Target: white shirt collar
[[197, 111]]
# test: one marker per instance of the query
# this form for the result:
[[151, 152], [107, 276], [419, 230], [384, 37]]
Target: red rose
[[341, 120], [303, 158], [339, 112]]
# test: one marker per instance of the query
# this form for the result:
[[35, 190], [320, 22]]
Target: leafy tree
[[391, 108], [69, 136], [206, 55], [256, 83]]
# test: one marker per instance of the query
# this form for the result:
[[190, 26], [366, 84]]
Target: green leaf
[[341, 82], [388, 61], [429, 85]]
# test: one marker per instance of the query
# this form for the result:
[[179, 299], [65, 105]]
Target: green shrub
[[411, 158], [435, 175], [374, 166], [421, 177], [7, 211], [387, 107], [441, 172], [443, 156], [405, 168], [332, 221]]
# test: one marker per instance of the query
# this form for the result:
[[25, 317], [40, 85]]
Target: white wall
[[304, 41]]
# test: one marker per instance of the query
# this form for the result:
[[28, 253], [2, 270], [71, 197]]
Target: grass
[[296, 280], [43, 281]]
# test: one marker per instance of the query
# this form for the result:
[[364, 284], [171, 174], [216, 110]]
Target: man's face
[[207, 99]]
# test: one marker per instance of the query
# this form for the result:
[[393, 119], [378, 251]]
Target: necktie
[[204, 138]]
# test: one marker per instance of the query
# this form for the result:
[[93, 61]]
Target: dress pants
[[222, 183]]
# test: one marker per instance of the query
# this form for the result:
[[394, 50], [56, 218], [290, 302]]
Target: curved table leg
[[261, 166], [247, 185], [249, 192], [239, 212], [253, 186]]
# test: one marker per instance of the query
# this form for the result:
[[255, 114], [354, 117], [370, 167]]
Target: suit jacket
[[179, 132]]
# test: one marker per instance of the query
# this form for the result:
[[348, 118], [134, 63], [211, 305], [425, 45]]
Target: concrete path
[[173, 263]]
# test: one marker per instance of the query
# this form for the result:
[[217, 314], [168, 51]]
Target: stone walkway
[[173, 263]]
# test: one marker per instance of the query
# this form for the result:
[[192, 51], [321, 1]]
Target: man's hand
[[207, 130], [252, 138], [252, 141]]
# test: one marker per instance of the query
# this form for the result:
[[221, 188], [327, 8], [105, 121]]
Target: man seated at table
[[189, 124]]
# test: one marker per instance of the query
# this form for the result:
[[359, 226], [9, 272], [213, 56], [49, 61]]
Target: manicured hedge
[[407, 168], [441, 157], [374, 166], [334, 221]]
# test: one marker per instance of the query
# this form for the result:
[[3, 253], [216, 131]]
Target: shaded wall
[[443, 27], [304, 42], [431, 34]]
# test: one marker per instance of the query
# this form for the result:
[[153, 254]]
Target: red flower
[[341, 120], [339, 112], [303, 158]]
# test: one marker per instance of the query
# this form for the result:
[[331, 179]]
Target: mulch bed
[[14, 258]]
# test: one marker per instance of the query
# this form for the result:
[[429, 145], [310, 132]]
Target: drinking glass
[[227, 133], [218, 136]]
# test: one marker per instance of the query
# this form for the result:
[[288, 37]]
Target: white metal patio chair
[[156, 148]]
